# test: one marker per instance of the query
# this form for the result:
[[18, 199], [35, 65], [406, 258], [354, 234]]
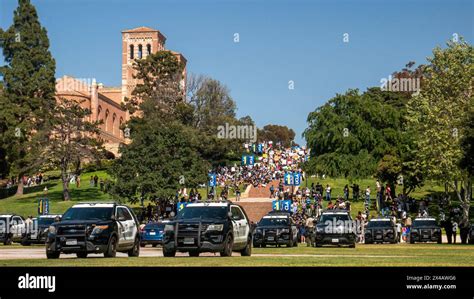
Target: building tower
[[138, 43]]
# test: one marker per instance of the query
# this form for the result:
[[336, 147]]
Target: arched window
[[140, 51], [113, 123], [106, 120], [99, 113], [148, 49], [132, 50]]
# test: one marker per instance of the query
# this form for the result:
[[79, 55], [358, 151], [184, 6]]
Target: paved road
[[37, 252]]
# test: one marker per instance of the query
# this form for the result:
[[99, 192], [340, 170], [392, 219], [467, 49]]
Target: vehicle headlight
[[285, 230], [216, 227], [259, 230], [414, 231], [169, 228], [52, 229], [98, 229]]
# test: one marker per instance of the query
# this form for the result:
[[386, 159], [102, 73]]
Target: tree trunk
[[20, 189], [65, 180]]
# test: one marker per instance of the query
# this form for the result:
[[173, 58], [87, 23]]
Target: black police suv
[[11, 228], [381, 230], [37, 232], [94, 228], [335, 227], [208, 227], [425, 230], [276, 228]]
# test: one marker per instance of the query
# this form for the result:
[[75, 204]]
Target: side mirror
[[113, 217]]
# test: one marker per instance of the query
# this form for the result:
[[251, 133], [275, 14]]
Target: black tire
[[228, 244], [440, 240], [135, 250], [193, 253], [263, 245], [368, 242], [142, 244], [8, 241], [247, 251], [111, 248], [168, 253], [53, 254], [81, 255], [353, 245], [412, 241], [154, 245], [290, 244], [25, 242], [318, 245]]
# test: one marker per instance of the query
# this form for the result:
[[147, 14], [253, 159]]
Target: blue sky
[[280, 41]]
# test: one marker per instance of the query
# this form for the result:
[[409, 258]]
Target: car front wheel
[[227, 251], [168, 252], [247, 251], [53, 254], [135, 251], [112, 248]]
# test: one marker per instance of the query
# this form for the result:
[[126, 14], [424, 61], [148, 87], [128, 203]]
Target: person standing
[[96, 180], [346, 192], [78, 181], [448, 227], [455, 230], [328, 192], [367, 197]]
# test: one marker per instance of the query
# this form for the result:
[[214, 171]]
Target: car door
[[235, 224], [122, 226], [240, 224], [131, 225], [17, 227]]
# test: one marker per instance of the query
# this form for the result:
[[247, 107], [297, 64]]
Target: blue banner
[[282, 205], [297, 178], [43, 206], [260, 148], [288, 179], [248, 160], [212, 180]]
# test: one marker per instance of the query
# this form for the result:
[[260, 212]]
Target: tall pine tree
[[29, 88]]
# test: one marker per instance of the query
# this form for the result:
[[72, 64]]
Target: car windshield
[[273, 221], [333, 217], [45, 221], [379, 224], [424, 223], [88, 214], [203, 213]]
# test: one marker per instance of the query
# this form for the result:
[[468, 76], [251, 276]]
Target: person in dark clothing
[[448, 227], [96, 180]]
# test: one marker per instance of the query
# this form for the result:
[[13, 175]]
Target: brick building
[[105, 102]]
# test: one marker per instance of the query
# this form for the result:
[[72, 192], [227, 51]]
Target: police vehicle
[[37, 232], [94, 228], [425, 230], [276, 228], [11, 228], [208, 227], [334, 227], [381, 230]]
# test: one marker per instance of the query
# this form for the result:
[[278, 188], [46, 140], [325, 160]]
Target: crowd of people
[[28, 181]]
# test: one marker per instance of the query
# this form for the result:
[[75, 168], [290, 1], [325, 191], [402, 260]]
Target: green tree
[[277, 134], [165, 147], [72, 139], [439, 117], [29, 87]]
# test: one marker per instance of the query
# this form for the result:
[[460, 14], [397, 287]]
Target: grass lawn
[[417, 255]]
